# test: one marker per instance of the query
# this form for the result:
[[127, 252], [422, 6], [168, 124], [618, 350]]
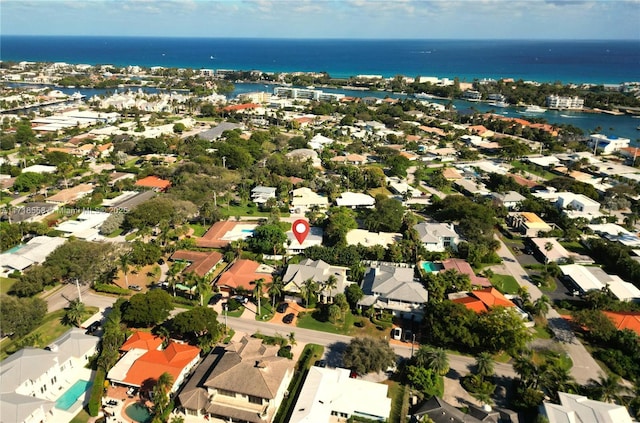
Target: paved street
[[584, 366]]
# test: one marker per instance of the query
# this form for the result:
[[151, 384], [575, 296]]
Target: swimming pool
[[429, 266], [138, 413], [247, 231], [14, 249], [72, 394]]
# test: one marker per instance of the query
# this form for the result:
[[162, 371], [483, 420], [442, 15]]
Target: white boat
[[422, 95], [499, 104], [534, 109]]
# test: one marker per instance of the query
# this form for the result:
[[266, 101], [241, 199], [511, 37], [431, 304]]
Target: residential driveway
[[584, 366]]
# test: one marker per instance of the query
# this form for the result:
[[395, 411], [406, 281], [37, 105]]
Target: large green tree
[[366, 355], [144, 310], [386, 216], [268, 239]]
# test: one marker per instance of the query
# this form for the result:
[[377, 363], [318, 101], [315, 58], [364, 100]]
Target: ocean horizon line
[[199, 37]]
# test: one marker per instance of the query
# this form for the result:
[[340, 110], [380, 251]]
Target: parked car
[[288, 318], [135, 287], [241, 299], [282, 307], [93, 327], [215, 299], [396, 333], [408, 336], [321, 363]]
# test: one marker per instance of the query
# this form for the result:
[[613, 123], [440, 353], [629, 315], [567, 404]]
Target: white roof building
[[580, 409], [260, 194], [328, 393], [436, 236], [369, 239], [589, 278], [578, 205], [616, 233], [355, 200], [34, 252], [39, 169], [314, 237], [304, 199], [318, 142], [86, 226], [608, 144]]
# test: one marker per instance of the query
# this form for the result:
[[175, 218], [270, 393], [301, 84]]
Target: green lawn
[[115, 233], [505, 283], [6, 284], [344, 327], [517, 164], [396, 393], [232, 211], [541, 331], [266, 312], [235, 313], [81, 417], [198, 230], [382, 190], [50, 329], [574, 246]]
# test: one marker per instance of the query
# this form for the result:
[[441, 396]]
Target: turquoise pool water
[[247, 231], [72, 394], [429, 266], [14, 249], [138, 412]]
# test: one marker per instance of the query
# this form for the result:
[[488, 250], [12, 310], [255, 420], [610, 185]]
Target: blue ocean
[[607, 61]]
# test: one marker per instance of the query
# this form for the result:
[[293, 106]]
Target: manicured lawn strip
[[382, 190], [266, 312], [541, 332], [232, 211], [50, 329], [310, 354], [517, 164], [198, 230], [234, 313], [396, 393], [574, 247], [115, 233], [505, 283], [81, 417], [343, 327], [6, 284]]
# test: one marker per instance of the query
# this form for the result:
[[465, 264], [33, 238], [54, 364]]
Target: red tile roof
[[241, 274], [213, 237], [472, 304], [236, 107], [153, 182], [621, 320], [201, 262], [484, 299], [461, 266], [141, 340], [154, 363]]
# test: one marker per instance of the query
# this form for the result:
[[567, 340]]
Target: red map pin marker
[[300, 230]]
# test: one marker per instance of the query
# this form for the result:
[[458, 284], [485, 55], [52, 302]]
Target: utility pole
[[79, 293], [413, 341], [224, 161]]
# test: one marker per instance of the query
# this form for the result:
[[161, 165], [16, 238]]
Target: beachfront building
[[330, 394], [609, 144], [34, 380], [565, 103], [244, 381], [436, 236], [306, 94], [394, 289], [578, 408]]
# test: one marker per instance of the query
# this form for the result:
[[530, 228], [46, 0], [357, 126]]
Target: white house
[[260, 194], [304, 199], [369, 239], [355, 200], [608, 144], [577, 202], [314, 237], [394, 289], [437, 236], [577, 408], [330, 394], [510, 199], [319, 272], [34, 379], [318, 142]]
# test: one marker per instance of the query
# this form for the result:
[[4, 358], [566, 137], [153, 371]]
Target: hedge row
[[110, 289], [95, 400]]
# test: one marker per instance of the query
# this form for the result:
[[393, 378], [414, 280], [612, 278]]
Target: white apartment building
[[567, 103]]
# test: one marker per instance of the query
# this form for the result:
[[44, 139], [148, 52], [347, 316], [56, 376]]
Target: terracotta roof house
[[200, 262], [239, 107], [244, 381], [461, 266], [483, 300], [625, 320], [154, 183], [241, 274], [144, 362], [224, 232]]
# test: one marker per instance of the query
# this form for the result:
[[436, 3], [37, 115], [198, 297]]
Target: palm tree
[[608, 388], [202, 285], [548, 246], [438, 361], [422, 355], [275, 289], [124, 266], [257, 292], [161, 391], [330, 285], [484, 364], [292, 338], [75, 312], [541, 306], [308, 288]]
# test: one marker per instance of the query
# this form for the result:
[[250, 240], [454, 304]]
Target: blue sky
[[457, 19]]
